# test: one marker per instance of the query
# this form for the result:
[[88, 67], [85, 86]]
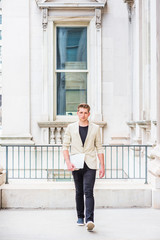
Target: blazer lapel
[[88, 134], [78, 135]]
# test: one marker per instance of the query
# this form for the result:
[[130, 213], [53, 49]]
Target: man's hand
[[102, 168], [70, 166], [101, 172]]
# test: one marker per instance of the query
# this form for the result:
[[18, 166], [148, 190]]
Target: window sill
[[64, 121]]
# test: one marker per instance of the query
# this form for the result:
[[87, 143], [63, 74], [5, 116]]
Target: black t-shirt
[[83, 133]]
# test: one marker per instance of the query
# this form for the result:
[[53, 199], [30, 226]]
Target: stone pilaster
[[16, 112], [154, 165]]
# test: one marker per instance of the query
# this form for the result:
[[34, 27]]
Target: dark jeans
[[84, 180]]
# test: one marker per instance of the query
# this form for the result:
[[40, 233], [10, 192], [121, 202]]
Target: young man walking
[[84, 137]]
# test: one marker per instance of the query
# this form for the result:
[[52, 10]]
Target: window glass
[[0, 19], [0, 34], [71, 90], [71, 48], [71, 51]]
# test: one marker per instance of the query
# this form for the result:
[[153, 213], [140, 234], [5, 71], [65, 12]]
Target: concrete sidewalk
[[111, 224]]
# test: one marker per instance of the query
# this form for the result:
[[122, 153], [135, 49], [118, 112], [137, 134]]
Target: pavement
[[111, 224]]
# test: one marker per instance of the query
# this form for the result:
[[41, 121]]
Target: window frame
[[55, 70]]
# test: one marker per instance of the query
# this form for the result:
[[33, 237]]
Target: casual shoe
[[90, 225], [80, 222]]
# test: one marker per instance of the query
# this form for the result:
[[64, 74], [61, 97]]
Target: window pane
[[71, 47], [0, 19], [71, 90], [0, 34]]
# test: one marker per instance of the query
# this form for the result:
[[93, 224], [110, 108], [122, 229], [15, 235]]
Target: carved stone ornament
[[46, 5], [98, 18], [130, 4], [45, 18]]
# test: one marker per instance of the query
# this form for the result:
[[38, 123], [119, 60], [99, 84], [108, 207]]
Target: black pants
[[84, 180]]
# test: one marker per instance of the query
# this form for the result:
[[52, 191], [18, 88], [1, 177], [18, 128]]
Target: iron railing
[[47, 162]]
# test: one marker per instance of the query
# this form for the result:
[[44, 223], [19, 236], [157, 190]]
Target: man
[[84, 137]]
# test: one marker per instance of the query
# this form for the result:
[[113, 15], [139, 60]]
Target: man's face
[[83, 114]]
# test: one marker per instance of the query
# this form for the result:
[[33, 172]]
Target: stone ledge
[[62, 195], [63, 124], [4, 139], [71, 4]]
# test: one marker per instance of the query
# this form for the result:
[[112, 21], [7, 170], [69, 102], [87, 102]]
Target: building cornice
[[71, 4]]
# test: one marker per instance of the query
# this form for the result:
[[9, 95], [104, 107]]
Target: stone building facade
[[58, 53]]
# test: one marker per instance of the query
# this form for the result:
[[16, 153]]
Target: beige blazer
[[91, 146]]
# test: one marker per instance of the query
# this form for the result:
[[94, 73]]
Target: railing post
[[146, 166], [6, 164]]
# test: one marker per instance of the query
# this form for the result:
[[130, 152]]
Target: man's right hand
[[70, 166]]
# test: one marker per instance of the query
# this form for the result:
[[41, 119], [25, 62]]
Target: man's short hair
[[83, 105]]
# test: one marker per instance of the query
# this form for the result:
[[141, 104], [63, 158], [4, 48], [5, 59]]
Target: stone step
[[62, 195]]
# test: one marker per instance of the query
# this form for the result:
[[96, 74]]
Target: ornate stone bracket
[[131, 124], [130, 4], [144, 124], [46, 5], [98, 18], [45, 18]]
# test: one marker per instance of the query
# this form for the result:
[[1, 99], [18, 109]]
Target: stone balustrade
[[141, 131], [56, 129]]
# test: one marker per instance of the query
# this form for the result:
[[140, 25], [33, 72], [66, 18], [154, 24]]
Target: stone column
[[154, 165]]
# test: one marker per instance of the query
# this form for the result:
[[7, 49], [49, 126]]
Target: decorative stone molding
[[131, 124], [64, 124], [57, 129], [45, 18], [47, 5], [71, 4], [52, 137], [17, 139], [130, 4], [155, 123], [119, 140], [139, 137], [145, 124], [98, 17]]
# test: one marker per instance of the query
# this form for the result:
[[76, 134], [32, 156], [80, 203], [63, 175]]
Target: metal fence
[[47, 162]]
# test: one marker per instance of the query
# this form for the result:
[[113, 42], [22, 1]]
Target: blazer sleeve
[[66, 139], [98, 143]]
